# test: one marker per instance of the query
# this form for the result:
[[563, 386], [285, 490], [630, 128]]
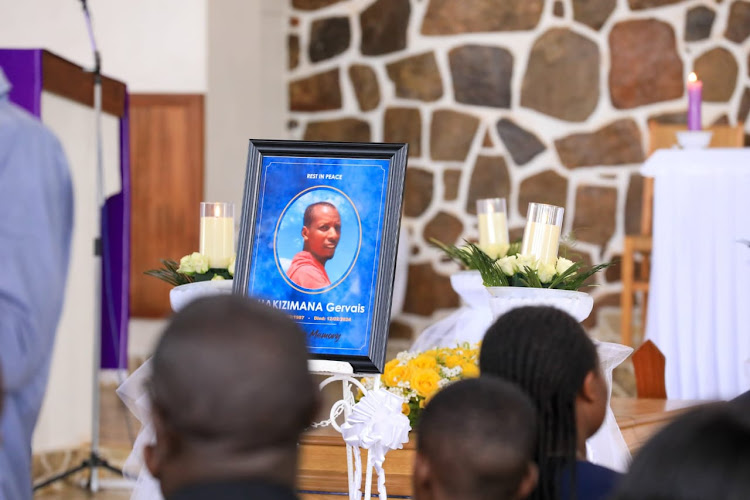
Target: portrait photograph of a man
[[311, 243], [321, 231], [317, 239]]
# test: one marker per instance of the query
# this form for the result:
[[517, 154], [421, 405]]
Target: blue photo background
[[345, 331], [289, 235]]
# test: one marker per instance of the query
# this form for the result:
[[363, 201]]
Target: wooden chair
[[660, 137], [649, 365]]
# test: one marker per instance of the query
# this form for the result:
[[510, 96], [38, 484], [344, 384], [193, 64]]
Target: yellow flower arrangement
[[418, 376]]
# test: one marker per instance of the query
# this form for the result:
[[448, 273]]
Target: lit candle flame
[[692, 77], [217, 210]]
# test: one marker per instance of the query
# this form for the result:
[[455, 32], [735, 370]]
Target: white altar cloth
[[699, 300]]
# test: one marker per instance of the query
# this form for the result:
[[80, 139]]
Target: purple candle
[[694, 88]]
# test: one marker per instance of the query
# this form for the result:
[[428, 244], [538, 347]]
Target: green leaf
[[169, 274], [459, 255]]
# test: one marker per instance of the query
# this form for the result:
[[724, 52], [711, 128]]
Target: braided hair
[[546, 352]]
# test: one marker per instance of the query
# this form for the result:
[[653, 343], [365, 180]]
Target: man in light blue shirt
[[36, 223]]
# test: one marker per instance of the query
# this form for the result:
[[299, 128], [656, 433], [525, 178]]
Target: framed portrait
[[318, 238]]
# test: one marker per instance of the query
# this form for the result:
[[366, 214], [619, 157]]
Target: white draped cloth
[[135, 396], [699, 299], [469, 323]]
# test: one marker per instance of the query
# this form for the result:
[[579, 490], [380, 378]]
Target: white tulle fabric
[[377, 425], [608, 447], [134, 394], [469, 323]]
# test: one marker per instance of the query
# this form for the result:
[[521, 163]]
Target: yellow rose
[[453, 361], [423, 361], [425, 382], [397, 374], [470, 370], [390, 365], [405, 409]]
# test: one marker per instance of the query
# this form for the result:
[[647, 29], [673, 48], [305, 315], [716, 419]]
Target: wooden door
[[167, 159]]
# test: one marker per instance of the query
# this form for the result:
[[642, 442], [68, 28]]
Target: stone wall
[[533, 100]]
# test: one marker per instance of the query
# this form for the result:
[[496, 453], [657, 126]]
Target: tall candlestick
[[493, 226], [694, 90], [541, 237], [217, 233]]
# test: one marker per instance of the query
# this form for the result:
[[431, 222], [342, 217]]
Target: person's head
[[702, 454], [230, 394], [321, 230], [476, 441], [547, 353]]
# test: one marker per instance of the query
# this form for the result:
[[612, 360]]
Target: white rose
[[495, 250], [526, 261], [507, 265], [563, 264], [230, 268], [546, 272], [193, 263]]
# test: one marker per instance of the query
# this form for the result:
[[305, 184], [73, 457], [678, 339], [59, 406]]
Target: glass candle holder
[[541, 237], [217, 233], [493, 226]]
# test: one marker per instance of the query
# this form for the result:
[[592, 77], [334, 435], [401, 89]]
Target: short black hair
[[548, 354], [479, 437], [307, 219], [702, 454], [231, 369]]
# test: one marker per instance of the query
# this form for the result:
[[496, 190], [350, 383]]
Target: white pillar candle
[[541, 237], [493, 226], [217, 233]]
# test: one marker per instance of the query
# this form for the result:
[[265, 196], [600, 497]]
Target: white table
[[699, 301]]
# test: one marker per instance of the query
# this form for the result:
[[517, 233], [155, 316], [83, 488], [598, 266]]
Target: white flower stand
[[504, 298]]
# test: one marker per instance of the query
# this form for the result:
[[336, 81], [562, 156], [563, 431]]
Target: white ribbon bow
[[377, 424]]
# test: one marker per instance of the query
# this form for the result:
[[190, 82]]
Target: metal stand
[[343, 372], [95, 461]]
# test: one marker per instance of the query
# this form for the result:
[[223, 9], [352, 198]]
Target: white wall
[[152, 45], [65, 418], [246, 91]]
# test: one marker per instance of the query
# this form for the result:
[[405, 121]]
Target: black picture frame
[[276, 168]]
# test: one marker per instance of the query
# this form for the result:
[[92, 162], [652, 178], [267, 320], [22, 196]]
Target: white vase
[[181, 295], [505, 298]]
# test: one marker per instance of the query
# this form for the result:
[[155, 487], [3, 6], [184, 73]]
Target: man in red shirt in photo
[[321, 232]]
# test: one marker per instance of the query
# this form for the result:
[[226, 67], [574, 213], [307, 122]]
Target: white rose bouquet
[[191, 268], [516, 269]]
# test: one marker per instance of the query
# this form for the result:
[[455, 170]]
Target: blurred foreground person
[[548, 354], [703, 454], [476, 442], [230, 395], [36, 224]]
